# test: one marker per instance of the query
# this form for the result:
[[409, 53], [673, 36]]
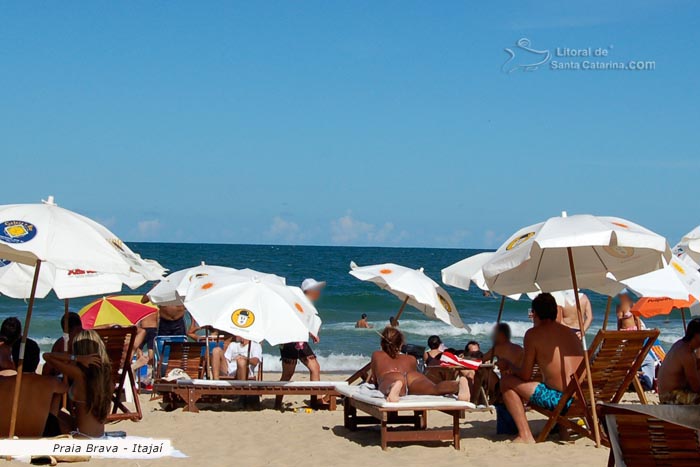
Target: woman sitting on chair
[[90, 395], [396, 375]]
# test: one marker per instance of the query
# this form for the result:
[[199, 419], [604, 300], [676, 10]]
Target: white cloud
[[148, 228], [282, 229], [348, 230]]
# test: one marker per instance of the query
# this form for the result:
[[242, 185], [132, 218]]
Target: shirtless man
[[363, 323], [38, 400], [568, 316], [556, 350], [171, 320], [396, 375], [503, 348], [679, 375]]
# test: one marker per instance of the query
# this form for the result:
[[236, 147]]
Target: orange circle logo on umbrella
[[299, 308], [520, 240], [207, 286], [242, 318], [621, 252], [385, 271], [620, 224]]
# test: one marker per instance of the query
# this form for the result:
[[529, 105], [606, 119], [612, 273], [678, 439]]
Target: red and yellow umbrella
[[121, 310], [648, 307]]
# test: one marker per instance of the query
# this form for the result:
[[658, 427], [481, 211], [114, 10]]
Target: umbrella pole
[[66, 303], [247, 360], [20, 361], [685, 326], [403, 306], [607, 313], [206, 352], [594, 415], [500, 308]]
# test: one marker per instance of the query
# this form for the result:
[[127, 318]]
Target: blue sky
[[350, 123]]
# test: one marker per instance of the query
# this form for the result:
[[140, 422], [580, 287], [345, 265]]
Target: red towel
[[450, 360]]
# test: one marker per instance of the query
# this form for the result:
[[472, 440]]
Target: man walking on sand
[[556, 350], [295, 351]]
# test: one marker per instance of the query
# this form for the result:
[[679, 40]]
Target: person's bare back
[[679, 370], [569, 313], [511, 352], [557, 351]]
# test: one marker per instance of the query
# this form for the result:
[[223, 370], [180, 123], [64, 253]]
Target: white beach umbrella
[[252, 308], [16, 280], [537, 257], [50, 238], [172, 290], [567, 252], [689, 247], [678, 280], [412, 287]]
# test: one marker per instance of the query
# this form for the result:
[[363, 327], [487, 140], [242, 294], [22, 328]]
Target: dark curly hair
[[392, 341]]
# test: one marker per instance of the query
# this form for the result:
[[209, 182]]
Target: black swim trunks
[[294, 351], [150, 339], [167, 327]]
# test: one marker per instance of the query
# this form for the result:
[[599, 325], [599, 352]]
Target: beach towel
[[449, 360]]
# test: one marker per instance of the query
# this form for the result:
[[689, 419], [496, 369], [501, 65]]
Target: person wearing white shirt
[[232, 362]]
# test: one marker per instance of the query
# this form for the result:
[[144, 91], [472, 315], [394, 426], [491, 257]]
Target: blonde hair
[[98, 379], [392, 341]]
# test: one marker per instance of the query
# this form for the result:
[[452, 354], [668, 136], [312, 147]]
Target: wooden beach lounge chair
[[616, 357], [119, 342], [385, 414], [652, 435], [201, 390]]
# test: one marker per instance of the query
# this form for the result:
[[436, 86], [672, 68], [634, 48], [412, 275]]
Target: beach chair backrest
[[616, 357], [119, 342], [160, 354], [188, 356]]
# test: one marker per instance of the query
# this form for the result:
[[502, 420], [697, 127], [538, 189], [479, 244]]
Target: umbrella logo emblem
[[4, 262], [520, 240], [299, 308], [621, 252], [678, 268], [385, 271], [445, 304], [17, 231], [207, 286], [242, 318]]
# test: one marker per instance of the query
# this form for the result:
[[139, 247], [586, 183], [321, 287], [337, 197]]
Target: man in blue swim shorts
[[556, 350]]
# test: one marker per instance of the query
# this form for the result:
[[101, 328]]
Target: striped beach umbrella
[[120, 310]]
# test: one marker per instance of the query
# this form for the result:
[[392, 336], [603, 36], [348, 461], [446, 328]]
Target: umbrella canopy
[[648, 307], [469, 271], [63, 239], [412, 287], [120, 310], [678, 281], [173, 289], [252, 308], [16, 280], [689, 247], [536, 257]]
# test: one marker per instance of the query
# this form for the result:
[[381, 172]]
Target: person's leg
[[515, 391], [241, 370], [218, 362], [314, 368], [420, 384], [288, 369], [140, 338], [393, 386]]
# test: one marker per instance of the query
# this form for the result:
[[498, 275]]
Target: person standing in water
[[293, 352], [363, 323]]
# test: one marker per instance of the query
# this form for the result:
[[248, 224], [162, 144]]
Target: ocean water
[[342, 347]]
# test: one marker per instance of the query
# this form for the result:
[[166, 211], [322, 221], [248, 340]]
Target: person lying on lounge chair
[[556, 350], [233, 361], [396, 375]]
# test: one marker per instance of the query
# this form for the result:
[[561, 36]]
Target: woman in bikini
[[89, 371], [396, 374]]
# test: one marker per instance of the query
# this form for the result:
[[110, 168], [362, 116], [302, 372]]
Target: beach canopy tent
[[119, 310], [52, 239], [254, 308], [569, 252], [413, 288], [172, 290]]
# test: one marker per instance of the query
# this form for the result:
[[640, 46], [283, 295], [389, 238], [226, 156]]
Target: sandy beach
[[224, 434]]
